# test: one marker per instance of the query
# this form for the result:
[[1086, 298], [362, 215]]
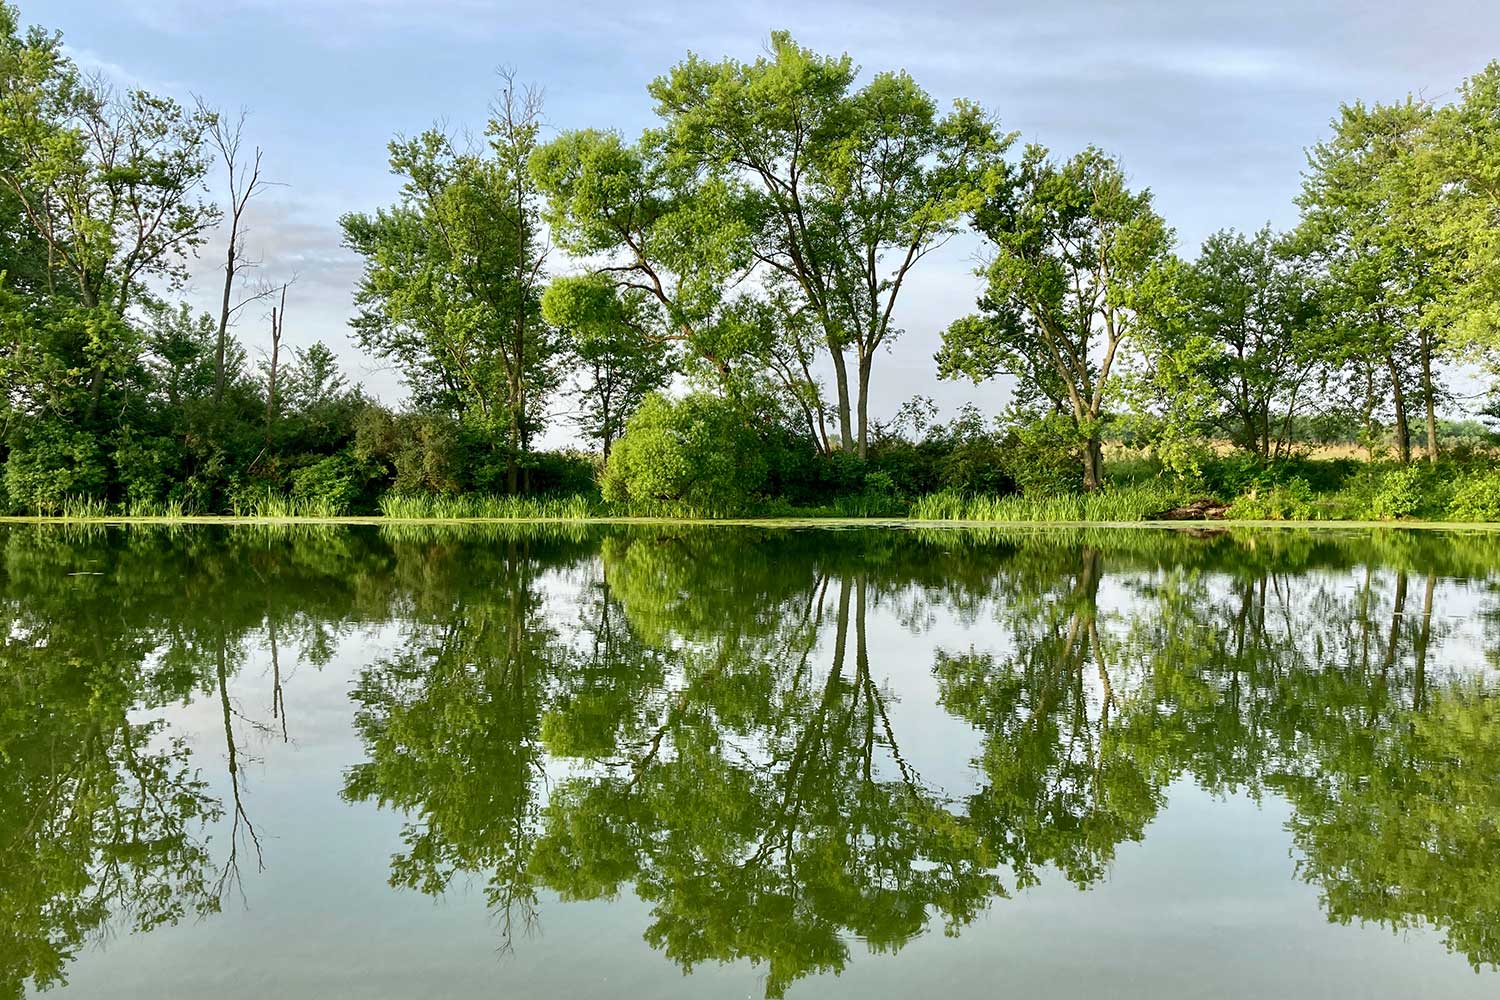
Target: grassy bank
[[1326, 490]]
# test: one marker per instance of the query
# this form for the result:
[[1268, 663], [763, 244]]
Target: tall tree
[[1363, 224], [845, 190], [453, 279], [1077, 258], [1258, 307], [109, 187]]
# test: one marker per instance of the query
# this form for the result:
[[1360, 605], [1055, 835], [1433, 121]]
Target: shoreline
[[764, 522]]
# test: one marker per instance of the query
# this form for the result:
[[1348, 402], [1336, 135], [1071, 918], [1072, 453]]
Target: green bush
[[146, 467], [329, 487], [1042, 456], [1402, 494], [1476, 498], [701, 450], [562, 472], [1288, 501], [976, 465], [50, 465]]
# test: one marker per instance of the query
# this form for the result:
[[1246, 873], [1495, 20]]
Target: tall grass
[[269, 503], [426, 506], [83, 507], [1119, 503]]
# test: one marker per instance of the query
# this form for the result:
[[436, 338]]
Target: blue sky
[[1210, 103]]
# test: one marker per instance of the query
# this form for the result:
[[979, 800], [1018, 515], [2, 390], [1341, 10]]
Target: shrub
[[329, 487], [1401, 494], [51, 464], [562, 472], [145, 467], [976, 465], [1288, 501], [1476, 498], [700, 450], [1042, 455]]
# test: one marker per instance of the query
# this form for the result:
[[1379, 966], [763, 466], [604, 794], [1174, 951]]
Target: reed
[[1139, 502]]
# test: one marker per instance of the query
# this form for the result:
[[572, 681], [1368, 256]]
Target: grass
[[269, 503], [1456, 491], [1113, 504], [426, 506]]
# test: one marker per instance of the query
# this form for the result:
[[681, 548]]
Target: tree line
[[681, 296]]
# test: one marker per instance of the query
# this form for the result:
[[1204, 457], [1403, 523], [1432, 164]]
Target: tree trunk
[[841, 381], [1093, 464], [271, 375], [1431, 403], [1398, 401], [864, 405], [224, 317], [513, 439], [278, 318]]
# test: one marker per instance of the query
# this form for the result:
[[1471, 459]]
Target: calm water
[[497, 761]]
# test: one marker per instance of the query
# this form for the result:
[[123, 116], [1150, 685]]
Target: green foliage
[[1080, 261], [1040, 454], [700, 450], [1291, 500], [1407, 492], [620, 345], [1476, 498], [50, 464]]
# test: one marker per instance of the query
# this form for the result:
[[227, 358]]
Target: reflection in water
[[692, 715]]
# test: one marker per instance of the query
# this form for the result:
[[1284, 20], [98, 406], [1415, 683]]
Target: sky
[[1209, 103]]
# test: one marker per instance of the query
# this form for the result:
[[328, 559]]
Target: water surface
[[674, 761]]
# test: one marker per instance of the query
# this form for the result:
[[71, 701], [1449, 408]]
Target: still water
[[512, 761]]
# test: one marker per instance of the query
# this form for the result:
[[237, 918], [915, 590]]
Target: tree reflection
[[105, 817], [723, 749], [701, 717]]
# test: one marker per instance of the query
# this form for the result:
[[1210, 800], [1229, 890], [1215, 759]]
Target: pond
[[712, 761]]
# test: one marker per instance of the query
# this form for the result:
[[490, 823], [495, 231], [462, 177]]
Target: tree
[[109, 182], [453, 278], [659, 229], [242, 182], [107, 185], [1363, 225], [621, 356], [834, 181], [1460, 161], [1078, 257], [1258, 308]]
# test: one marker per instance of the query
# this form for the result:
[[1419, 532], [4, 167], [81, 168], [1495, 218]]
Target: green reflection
[[700, 717], [104, 818]]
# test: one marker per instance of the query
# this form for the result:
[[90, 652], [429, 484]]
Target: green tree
[[660, 229], [1259, 309], [453, 279], [1078, 259], [617, 341], [845, 190], [1364, 226]]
